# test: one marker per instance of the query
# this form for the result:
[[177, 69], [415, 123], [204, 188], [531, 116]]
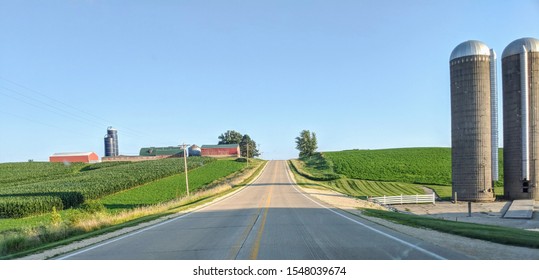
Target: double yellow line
[[256, 246], [261, 216]]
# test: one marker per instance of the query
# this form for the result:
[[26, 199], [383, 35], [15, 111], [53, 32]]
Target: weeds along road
[[269, 219]]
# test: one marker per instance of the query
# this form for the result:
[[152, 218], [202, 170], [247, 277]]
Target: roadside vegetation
[[394, 171], [138, 204], [319, 170], [497, 234]]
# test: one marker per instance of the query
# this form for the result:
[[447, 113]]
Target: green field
[[70, 185], [171, 187], [384, 172], [410, 165], [364, 188], [316, 172], [13, 174]]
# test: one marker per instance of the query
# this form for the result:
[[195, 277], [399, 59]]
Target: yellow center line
[[256, 247], [239, 243]]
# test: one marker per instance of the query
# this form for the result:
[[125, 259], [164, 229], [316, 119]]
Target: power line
[[45, 124], [125, 130]]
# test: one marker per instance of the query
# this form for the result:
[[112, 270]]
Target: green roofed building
[[162, 151]]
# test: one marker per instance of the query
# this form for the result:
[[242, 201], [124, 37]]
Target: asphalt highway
[[270, 219]]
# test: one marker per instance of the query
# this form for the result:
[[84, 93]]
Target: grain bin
[[520, 75], [194, 151], [472, 122]]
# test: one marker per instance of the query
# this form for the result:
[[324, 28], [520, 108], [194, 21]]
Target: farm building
[[87, 157], [175, 151], [229, 150]]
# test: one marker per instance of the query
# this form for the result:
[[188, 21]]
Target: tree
[[248, 147], [306, 143], [230, 137], [245, 142]]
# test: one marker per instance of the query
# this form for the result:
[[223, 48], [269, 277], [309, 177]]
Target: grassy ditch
[[93, 218], [313, 172], [497, 234]]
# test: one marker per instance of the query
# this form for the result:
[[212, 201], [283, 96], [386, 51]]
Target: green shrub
[[92, 207]]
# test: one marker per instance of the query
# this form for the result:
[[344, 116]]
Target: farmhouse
[[229, 150], [87, 157]]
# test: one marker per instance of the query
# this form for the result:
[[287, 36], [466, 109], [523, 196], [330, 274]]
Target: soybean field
[[410, 165], [384, 172], [171, 187]]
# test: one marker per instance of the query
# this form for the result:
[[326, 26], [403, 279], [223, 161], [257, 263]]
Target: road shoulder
[[474, 248]]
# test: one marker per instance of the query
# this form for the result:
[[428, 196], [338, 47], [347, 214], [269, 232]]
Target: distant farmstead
[[87, 157], [228, 150]]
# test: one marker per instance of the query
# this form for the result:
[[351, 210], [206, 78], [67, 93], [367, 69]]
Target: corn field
[[69, 186]]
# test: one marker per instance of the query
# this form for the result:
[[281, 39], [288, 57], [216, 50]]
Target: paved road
[[270, 219]]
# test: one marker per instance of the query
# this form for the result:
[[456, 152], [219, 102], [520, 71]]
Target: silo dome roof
[[471, 47], [532, 45]]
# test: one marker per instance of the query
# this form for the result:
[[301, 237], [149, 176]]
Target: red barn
[[87, 157], [228, 150]]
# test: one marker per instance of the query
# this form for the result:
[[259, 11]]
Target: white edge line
[[362, 224], [156, 225]]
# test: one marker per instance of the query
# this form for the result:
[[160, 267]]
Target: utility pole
[[185, 155]]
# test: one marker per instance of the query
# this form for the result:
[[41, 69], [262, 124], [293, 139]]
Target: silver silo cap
[[471, 47], [531, 44]]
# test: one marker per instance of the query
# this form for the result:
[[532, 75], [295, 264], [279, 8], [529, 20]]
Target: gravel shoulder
[[485, 213]]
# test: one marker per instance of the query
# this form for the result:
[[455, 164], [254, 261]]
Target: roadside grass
[[443, 192], [352, 187], [316, 167], [497, 234], [78, 224], [364, 189]]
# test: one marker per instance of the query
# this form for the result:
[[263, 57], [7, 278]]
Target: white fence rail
[[404, 199]]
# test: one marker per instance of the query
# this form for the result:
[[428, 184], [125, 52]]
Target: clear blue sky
[[361, 74]]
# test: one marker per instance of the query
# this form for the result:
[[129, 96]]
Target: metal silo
[[194, 151], [520, 75], [472, 123], [111, 142]]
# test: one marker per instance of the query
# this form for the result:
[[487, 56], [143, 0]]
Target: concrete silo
[[111, 142], [473, 127], [520, 75]]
